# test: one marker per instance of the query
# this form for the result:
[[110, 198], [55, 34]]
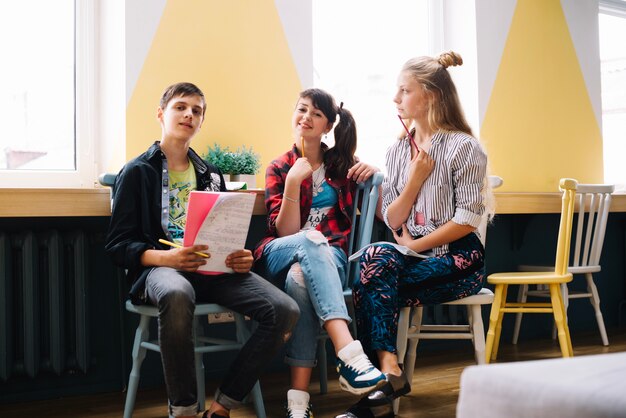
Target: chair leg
[[242, 334], [322, 364], [567, 334], [409, 358], [139, 354], [565, 299], [522, 295], [493, 322], [403, 329], [559, 318], [595, 302], [401, 344], [199, 365], [200, 390], [257, 399], [496, 343], [396, 406], [415, 323], [565, 294], [474, 315]]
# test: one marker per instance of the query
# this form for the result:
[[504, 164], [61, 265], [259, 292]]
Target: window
[[358, 50], [46, 99], [612, 22]]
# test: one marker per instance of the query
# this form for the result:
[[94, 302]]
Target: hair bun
[[450, 58]]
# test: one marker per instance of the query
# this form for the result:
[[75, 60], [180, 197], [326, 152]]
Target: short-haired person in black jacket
[[149, 202]]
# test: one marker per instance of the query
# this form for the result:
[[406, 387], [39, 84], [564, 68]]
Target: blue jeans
[[313, 273], [175, 294]]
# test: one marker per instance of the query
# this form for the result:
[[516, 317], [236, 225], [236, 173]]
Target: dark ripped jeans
[[175, 294]]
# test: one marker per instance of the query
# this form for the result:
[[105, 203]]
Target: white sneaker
[[356, 373], [298, 405]]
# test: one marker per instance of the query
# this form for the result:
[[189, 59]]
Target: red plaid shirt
[[336, 225]]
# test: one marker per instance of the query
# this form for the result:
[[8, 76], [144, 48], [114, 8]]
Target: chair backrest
[[361, 233], [594, 201], [568, 186], [493, 182], [107, 179]]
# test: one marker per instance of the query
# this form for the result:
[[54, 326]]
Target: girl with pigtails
[[309, 199]]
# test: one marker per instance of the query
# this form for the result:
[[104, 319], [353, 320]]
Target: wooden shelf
[[20, 203]]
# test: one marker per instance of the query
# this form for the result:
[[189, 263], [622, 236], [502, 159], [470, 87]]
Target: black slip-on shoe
[[213, 415], [395, 387], [365, 409]]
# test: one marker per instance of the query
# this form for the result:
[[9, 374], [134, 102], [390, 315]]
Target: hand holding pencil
[[187, 259], [409, 134], [172, 244]]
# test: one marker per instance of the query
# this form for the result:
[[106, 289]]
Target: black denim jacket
[[140, 211]]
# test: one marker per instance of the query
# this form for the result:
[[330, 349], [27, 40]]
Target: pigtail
[[340, 158]]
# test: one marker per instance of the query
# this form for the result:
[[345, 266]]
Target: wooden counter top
[[96, 202], [512, 203], [54, 202]]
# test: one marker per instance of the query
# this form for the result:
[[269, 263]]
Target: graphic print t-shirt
[[181, 185], [322, 203]]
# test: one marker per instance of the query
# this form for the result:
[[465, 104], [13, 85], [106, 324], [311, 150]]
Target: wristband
[[291, 200]]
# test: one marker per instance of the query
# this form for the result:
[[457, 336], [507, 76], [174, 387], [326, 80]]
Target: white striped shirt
[[453, 191]]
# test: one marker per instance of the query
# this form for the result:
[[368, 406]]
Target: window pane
[[37, 97], [613, 67], [358, 49]]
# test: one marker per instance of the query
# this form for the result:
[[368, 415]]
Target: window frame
[[613, 7], [85, 113], [616, 8]]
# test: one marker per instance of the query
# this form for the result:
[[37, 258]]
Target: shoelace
[[361, 363], [299, 413]]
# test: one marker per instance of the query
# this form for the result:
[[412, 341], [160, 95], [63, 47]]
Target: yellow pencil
[[302, 145], [172, 244]]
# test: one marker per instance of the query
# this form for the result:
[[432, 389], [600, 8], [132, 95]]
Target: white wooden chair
[[593, 202], [411, 329]]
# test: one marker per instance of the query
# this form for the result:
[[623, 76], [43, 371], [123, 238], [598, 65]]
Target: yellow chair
[[552, 279]]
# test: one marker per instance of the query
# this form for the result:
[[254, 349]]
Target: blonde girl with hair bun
[[433, 201]]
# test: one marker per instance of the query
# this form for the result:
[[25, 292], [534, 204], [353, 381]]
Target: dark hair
[[339, 158], [182, 89]]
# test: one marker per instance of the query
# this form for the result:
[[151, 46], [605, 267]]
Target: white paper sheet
[[401, 248], [225, 229]]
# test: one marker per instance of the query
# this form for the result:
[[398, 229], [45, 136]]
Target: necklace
[[318, 179]]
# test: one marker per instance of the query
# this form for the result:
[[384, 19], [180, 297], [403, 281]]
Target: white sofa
[[578, 387]]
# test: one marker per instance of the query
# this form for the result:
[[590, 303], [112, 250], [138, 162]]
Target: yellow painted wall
[[540, 124], [236, 52]]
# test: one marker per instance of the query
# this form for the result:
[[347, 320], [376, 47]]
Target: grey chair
[[360, 236], [203, 344]]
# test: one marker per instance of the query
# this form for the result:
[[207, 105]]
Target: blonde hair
[[444, 108]]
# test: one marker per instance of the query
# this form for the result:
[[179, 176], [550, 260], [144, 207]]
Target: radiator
[[43, 303]]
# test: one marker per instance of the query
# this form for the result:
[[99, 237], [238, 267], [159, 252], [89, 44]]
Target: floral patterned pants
[[390, 280]]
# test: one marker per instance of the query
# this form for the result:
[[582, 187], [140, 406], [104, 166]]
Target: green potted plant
[[242, 162]]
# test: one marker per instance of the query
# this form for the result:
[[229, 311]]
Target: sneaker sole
[[359, 391]]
